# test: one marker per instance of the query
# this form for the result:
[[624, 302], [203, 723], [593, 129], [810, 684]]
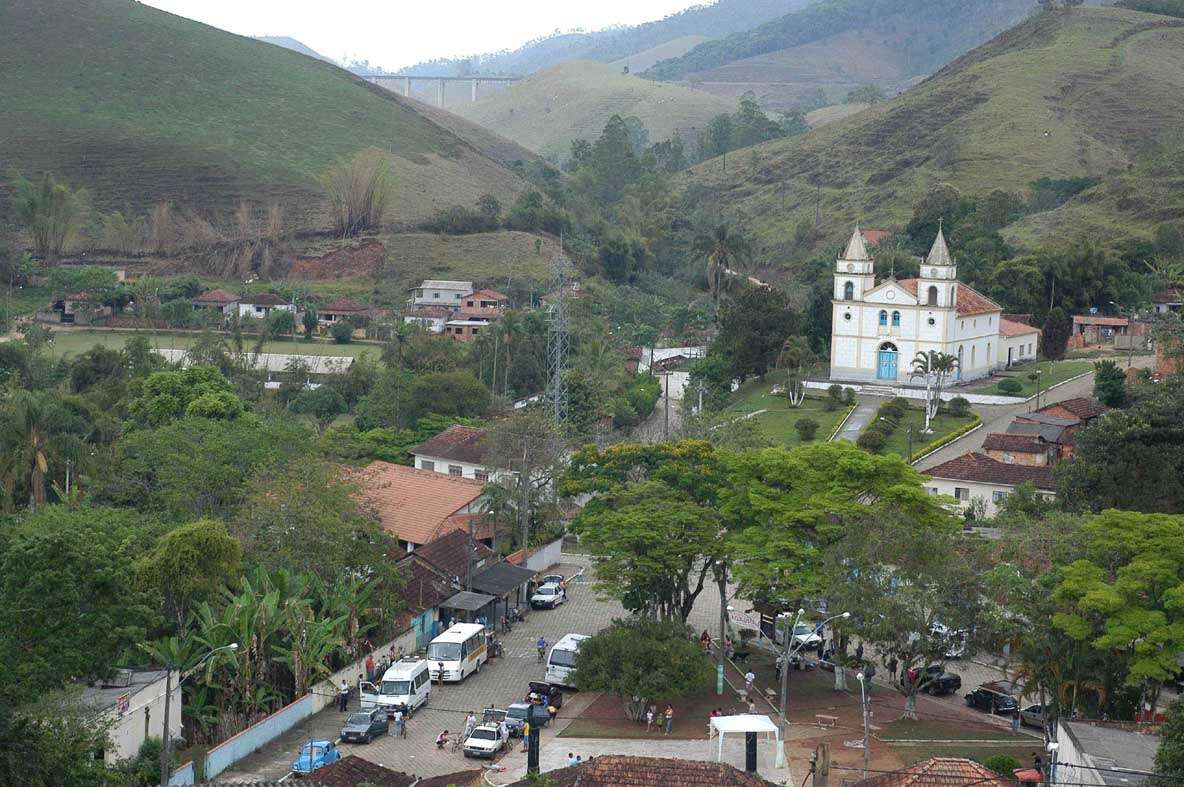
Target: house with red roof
[[458, 451], [417, 506], [977, 476], [940, 772], [878, 327], [221, 301], [485, 299], [341, 309]]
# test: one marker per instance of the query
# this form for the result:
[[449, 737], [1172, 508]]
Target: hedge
[[940, 442]]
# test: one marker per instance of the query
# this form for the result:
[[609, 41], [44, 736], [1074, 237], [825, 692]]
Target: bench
[[822, 720]]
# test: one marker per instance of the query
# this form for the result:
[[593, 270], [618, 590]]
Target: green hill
[[640, 61], [140, 107], [546, 111], [1061, 95]]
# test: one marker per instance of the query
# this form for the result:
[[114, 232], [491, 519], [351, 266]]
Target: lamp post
[[721, 576], [787, 655], [165, 749], [909, 431], [1039, 372], [1052, 747], [863, 701]]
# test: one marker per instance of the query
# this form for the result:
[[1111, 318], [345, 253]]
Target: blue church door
[[886, 366]]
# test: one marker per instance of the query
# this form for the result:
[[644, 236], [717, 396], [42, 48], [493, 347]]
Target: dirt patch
[[359, 259]]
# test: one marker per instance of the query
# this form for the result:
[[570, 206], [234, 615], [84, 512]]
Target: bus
[[561, 663], [406, 682], [458, 652]]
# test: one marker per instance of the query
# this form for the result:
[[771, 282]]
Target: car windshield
[[358, 718], [546, 591], [516, 713], [563, 658], [803, 629], [444, 651], [396, 687], [317, 751], [484, 735]]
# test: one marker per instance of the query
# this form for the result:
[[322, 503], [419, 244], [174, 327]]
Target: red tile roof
[[476, 313], [487, 295], [219, 297], [983, 469], [413, 504], [1081, 406], [484, 525], [351, 771], [340, 305], [458, 779], [1097, 319], [1013, 328], [1168, 296], [265, 299], [875, 237], [449, 553], [619, 771], [425, 587], [458, 443], [970, 300], [939, 772], [1021, 443]]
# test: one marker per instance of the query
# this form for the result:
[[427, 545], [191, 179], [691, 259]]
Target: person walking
[[749, 679], [893, 664], [542, 647], [343, 697], [669, 718], [650, 713], [1015, 721], [400, 723]]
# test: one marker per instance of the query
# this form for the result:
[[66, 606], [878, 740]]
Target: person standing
[[470, 724], [892, 667], [1015, 721], [400, 723], [370, 668], [650, 713], [526, 736], [343, 696], [859, 653], [751, 705], [669, 718]]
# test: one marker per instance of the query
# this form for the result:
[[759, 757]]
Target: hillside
[[1060, 95], [288, 42], [646, 58], [574, 100], [838, 45], [207, 119]]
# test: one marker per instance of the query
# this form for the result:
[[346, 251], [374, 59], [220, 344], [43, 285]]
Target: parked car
[[315, 754], [519, 712], [485, 741], [996, 696], [365, 725], [1032, 716], [547, 597], [548, 693], [935, 679], [954, 639], [493, 716]]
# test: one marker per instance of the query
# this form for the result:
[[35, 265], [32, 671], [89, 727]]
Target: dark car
[[520, 712], [547, 692], [936, 680], [364, 726], [495, 715], [997, 696]]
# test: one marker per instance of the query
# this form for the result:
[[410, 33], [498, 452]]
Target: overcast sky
[[396, 33]]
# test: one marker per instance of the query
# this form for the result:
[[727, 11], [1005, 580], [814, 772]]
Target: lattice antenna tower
[[557, 339]]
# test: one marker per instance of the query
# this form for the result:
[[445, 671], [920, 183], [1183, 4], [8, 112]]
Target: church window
[[848, 291], [933, 296], [895, 319], [988, 352], [883, 317], [847, 316], [973, 352], [932, 321]]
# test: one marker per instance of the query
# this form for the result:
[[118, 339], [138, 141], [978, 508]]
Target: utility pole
[[866, 721], [557, 341], [721, 577], [822, 769]]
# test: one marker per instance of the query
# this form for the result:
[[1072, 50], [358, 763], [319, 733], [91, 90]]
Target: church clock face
[[850, 267], [933, 273]]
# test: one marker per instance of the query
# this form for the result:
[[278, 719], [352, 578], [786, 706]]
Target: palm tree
[[511, 327], [795, 355], [724, 252], [28, 430], [936, 367]]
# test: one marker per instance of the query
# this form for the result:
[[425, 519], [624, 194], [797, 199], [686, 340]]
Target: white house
[[1103, 754], [133, 701], [976, 476], [878, 328], [458, 451], [438, 292], [430, 318], [263, 304]]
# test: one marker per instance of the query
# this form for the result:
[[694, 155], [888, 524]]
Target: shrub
[[848, 396], [1010, 386], [1002, 764], [643, 395], [807, 428], [872, 439], [359, 190], [894, 408], [958, 407], [623, 413], [342, 332], [834, 397]]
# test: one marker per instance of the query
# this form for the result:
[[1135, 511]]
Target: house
[[431, 318], [485, 299], [438, 292], [1018, 341], [943, 771], [1103, 754], [424, 589], [876, 237], [1169, 300], [1021, 449], [413, 505], [613, 770], [133, 702], [878, 327], [80, 308], [263, 304], [449, 555], [1079, 408], [977, 476], [464, 330], [458, 451], [1096, 329], [341, 309], [221, 301]]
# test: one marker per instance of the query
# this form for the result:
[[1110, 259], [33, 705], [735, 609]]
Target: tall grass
[[51, 211], [359, 191]]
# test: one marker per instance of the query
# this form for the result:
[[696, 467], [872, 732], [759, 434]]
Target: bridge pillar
[[440, 94], [474, 86], [407, 87]]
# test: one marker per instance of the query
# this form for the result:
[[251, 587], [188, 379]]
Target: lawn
[[979, 752], [940, 728], [69, 343], [1052, 372], [943, 424], [779, 419]]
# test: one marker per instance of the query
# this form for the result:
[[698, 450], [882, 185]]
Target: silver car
[[1032, 716]]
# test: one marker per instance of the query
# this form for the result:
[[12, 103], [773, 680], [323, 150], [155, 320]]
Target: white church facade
[[878, 328]]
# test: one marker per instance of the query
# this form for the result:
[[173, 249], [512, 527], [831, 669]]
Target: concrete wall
[[183, 776], [546, 557], [144, 716], [257, 736], [977, 490]]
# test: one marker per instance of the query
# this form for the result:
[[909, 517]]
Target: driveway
[[860, 416]]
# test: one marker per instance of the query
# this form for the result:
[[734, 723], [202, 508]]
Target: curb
[[1058, 385], [842, 423], [967, 433]]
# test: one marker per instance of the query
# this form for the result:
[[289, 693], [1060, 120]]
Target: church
[[877, 329]]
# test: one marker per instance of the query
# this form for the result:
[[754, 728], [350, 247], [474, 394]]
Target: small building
[[464, 330], [944, 771], [976, 476], [1096, 329], [1021, 449], [414, 505], [457, 451], [263, 304], [133, 701], [1104, 754], [1169, 300], [1018, 341], [425, 588], [485, 299], [440, 292], [221, 301], [80, 308], [431, 318], [341, 309]]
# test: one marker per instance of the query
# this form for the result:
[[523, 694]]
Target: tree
[[806, 429], [1109, 384], [754, 329], [936, 367], [526, 444], [448, 393], [50, 211], [323, 403], [308, 322], [866, 94], [40, 432], [1169, 757], [358, 191], [51, 743], [1054, 339], [342, 332], [794, 358], [388, 404], [723, 251], [188, 565], [166, 396], [641, 660]]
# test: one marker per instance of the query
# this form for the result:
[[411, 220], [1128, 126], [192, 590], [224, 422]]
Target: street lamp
[[165, 750], [863, 701], [887, 420], [1052, 747], [787, 655]]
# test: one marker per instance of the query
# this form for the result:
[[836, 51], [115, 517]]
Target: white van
[[458, 652], [561, 662], [406, 682]]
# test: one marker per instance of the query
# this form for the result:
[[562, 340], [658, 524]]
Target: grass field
[[1052, 372], [778, 422], [70, 343], [942, 425], [941, 729], [979, 752], [206, 119]]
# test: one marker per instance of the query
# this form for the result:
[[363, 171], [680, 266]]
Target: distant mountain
[[295, 46], [547, 110], [1088, 92], [718, 18]]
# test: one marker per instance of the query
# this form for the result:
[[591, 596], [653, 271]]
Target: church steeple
[[854, 270], [939, 253], [856, 248], [939, 274]]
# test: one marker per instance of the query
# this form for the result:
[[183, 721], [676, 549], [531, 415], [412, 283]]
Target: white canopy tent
[[744, 723]]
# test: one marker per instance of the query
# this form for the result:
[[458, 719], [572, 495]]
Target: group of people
[[658, 721]]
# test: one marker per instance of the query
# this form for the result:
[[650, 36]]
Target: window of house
[[973, 352], [961, 324], [481, 475], [456, 470], [962, 493], [424, 464], [998, 495], [436, 295], [419, 293], [1008, 457], [895, 319], [988, 352], [848, 291], [883, 317], [933, 490]]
